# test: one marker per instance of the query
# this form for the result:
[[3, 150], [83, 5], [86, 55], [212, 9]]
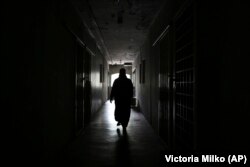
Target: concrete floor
[[104, 144]]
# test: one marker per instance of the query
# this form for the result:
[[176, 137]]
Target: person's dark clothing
[[122, 92]]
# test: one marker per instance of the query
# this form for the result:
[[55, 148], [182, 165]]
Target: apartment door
[[79, 88], [165, 105], [87, 87], [83, 87]]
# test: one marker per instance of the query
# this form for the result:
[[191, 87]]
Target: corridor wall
[[216, 114], [39, 41]]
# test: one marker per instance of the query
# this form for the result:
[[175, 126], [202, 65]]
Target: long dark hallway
[[104, 144], [188, 62]]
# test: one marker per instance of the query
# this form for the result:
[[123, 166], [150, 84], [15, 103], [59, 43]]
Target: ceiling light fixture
[[127, 64]]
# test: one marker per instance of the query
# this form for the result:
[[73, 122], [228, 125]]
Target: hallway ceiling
[[123, 25]]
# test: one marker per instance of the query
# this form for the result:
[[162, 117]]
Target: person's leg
[[118, 114], [126, 117]]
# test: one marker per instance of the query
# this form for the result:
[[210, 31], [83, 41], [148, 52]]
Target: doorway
[[82, 87]]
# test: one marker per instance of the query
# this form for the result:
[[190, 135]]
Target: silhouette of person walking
[[122, 93]]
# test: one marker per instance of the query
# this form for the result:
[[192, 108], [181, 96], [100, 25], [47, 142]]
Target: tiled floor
[[103, 144]]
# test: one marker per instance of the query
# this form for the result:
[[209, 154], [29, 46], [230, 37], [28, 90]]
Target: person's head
[[122, 72]]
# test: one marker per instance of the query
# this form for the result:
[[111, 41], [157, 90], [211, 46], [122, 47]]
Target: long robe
[[122, 93]]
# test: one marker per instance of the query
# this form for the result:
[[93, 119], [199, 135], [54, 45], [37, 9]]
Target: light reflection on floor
[[104, 144]]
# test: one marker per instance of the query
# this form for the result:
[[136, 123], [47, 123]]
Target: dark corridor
[[187, 60]]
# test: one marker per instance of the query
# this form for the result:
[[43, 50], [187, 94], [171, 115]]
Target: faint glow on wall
[[115, 76]]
